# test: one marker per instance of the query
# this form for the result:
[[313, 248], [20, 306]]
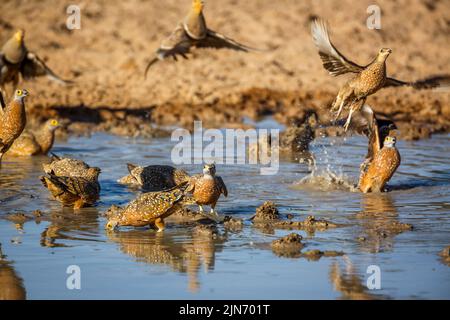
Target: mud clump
[[186, 215], [267, 212], [268, 218], [445, 255], [315, 255], [310, 224], [206, 231], [288, 246], [37, 213], [297, 137], [233, 224]]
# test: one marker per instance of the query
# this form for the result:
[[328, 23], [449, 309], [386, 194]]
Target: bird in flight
[[193, 32], [367, 80]]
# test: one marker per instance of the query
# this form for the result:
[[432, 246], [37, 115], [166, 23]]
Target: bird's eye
[[19, 92], [54, 123]]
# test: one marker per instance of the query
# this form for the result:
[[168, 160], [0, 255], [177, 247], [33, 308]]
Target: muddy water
[[181, 264]]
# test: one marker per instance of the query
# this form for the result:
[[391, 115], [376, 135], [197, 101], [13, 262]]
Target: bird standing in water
[[385, 161], [154, 177], [193, 32], [33, 143], [149, 208], [207, 189], [76, 192]]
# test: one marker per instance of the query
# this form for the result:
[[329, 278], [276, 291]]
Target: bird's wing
[[178, 43], [68, 184], [77, 186], [130, 167], [33, 66], [222, 186], [218, 41], [2, 102], [192, 182], [55, 157], [440, 81], [333, 61]]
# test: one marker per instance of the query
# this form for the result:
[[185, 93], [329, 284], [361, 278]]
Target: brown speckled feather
[[149, 207], [380, 170], [66, 167], [12, 123], [154, 177], [72, 191], [207, 190]]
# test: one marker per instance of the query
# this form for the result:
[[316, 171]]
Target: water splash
[[326, 168]]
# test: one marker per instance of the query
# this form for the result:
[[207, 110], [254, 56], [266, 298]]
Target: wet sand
[[107, 57]]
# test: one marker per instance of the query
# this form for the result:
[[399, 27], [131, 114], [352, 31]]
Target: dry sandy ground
[[108, 55]]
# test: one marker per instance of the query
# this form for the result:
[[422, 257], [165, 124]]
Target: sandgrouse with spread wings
[[193, 32], [368, 79]]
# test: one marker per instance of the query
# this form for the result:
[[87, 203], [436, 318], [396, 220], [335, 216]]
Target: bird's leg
[[159, 223], [214, 213], [349, 119], [336, 103], [78, 204], [338, 114]]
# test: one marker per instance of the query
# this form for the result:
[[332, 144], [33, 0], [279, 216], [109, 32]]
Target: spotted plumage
[[368, 79], [31, 143], [66, 167], [207, 188], [15, 60], [12, 121], [376, 130], [385, 161], [154, 177], [150, 208], [193, 32], [76, 192]]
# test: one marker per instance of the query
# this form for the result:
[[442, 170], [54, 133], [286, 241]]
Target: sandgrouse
[[149, 208], [368, 79], [376, 174], [207, 189], [12, 121], [34, 143], [15, 60], [154, 177], [193, 32], [76, 192]]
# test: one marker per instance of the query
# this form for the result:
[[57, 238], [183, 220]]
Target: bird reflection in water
[[379, 222], [11, 285], [197, 250], [347, 281]]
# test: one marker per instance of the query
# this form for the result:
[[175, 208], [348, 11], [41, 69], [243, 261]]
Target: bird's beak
[[111, 226], [19, 36]]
